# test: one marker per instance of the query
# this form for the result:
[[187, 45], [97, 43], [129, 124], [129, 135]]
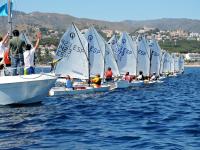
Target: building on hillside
[[192, 57], [108, 33]]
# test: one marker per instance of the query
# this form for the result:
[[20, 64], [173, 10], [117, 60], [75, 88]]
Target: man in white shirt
[[29, 57]]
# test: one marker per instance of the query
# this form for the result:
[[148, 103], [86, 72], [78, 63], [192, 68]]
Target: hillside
[[61, 22]]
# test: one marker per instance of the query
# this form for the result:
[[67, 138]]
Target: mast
[[9, 19], [89, 82]]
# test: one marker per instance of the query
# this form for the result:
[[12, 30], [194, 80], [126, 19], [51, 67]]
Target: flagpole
[[9, 19]]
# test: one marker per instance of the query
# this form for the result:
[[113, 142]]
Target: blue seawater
[[153, 117]]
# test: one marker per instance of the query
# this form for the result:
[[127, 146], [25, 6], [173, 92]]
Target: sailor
[[29, 57], [96, 81], [3, 42], [69, 83], [108, 75], [128, 77], [16, 46], [141, 76], [153, 77]]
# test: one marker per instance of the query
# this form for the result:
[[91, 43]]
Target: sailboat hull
[[122, 84], [25, 89], [58, 91]]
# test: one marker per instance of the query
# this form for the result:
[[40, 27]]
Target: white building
[[192, 57]]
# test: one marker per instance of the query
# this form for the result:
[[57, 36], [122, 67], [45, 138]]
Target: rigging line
[[131, 45], [113, 54], [87, 56], [103, 55], [80, 42], [145, 43]]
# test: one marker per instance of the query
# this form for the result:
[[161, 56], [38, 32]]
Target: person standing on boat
[[96, 81], [108, 75], [3, 42], [29, 57], [16, 46]]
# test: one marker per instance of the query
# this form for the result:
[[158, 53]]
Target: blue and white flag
[[4, 9]]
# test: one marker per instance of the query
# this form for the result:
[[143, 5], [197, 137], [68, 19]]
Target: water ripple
[[157, 116]]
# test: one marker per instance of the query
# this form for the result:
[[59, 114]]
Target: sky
[[115, 10]]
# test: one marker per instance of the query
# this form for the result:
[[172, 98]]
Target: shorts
[[28, 71]]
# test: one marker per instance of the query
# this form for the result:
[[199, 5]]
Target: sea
[[160, 116]]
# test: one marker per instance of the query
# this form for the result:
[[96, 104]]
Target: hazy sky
[[115, 10]]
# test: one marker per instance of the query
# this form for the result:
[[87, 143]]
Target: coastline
[[192, 65]]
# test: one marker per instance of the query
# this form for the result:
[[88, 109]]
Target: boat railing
[[7, 71]]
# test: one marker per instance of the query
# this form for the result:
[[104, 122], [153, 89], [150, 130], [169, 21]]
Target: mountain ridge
[[62, 21]]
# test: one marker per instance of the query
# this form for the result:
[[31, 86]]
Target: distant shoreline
[[192, 65]]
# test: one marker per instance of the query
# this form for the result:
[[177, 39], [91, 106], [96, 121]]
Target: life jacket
[[108, 74], [97, 81], [128, 78], [7, 60]]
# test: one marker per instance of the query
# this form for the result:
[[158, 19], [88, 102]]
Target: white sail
[[163, 52], [24, 38], [172, 68], [181, 63], [155, 57], [127, 55], [167, 63], [176, 63], [73, 54], [113, 42], [110, 60], [143, 56], [96, 52]]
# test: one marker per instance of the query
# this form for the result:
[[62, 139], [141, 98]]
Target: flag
[[4, 9]]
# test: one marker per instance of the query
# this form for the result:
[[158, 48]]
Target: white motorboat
[[25, 89]]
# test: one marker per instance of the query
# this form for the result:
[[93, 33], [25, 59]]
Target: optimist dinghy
[[77, 61]]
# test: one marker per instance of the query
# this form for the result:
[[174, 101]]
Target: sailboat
[[155, 57], [24, 89], [143, 58], [166, 63], [162, 58], [74, 60], [181, 64]]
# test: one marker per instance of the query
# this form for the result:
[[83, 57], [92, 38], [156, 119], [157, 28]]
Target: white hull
[[25, 89], [121, 84], [162, 78], [136, 83], [58, 91]]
